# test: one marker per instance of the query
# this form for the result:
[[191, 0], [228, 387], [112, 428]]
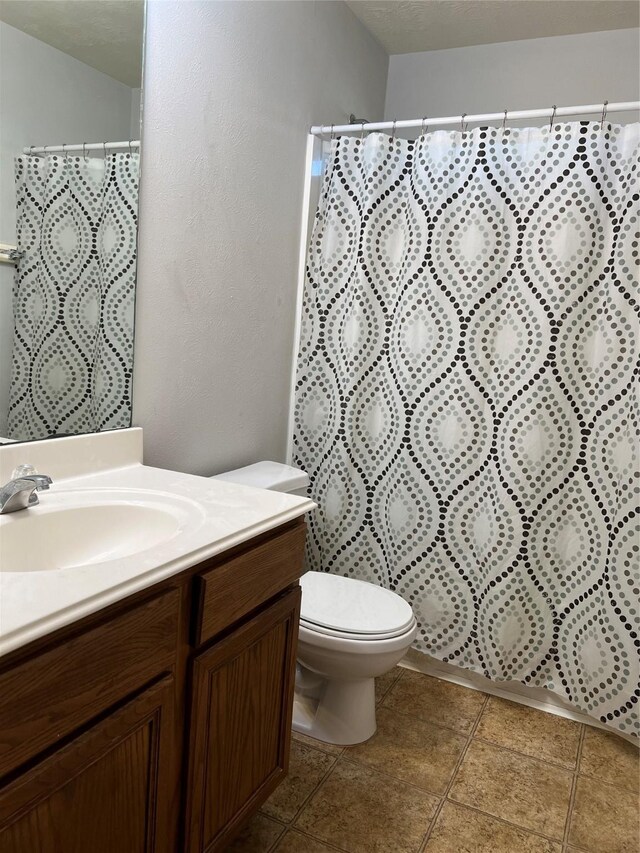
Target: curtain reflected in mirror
[[73, 295], [69, 168]]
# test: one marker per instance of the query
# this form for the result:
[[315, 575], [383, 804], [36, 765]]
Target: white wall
[[564, 70], [136, 103], [46, 97], [230, 90]]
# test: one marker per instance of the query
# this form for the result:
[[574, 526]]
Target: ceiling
[[407, 27], [106, 35]]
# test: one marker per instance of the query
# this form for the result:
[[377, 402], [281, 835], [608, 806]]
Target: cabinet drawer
[[229, 591], [47, 697]]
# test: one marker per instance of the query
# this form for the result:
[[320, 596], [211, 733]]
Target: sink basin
[[91, 527]]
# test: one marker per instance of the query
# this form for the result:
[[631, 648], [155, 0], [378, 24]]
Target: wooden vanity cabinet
[[161, 723], [103, 791], [240, 723]]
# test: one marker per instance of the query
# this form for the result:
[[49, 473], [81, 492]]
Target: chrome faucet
[[20, 493]]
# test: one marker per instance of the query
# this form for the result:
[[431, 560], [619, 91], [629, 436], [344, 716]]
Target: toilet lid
[[349, 606]]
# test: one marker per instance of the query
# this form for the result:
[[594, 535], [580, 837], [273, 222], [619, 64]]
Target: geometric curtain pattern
[[74, 294], [467, 401]]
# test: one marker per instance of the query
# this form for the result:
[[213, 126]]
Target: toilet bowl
[[351, 632]]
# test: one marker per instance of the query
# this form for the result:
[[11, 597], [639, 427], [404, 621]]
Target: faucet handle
[[24, 470]]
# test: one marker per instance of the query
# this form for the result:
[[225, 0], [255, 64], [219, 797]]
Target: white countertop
[[220, 516]]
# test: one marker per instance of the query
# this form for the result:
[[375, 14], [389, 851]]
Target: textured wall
[[230, 90], [46, 97], [517, 75]]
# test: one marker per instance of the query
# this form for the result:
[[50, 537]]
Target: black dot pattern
[[74, 294], [467, 400]]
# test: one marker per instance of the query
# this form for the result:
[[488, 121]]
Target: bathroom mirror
[[71, 82]]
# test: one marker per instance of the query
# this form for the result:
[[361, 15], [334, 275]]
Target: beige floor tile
[[461, 830], [331, 748], [385, 682], [532, 732], [296, 842], [411, 750], [362, 811], [307, 766], [609, 758], [516, 788], [437, 701], [604, 818], [259, 836]]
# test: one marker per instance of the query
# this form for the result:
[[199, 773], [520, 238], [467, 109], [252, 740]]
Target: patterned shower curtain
[[467, 397], [74, 294]]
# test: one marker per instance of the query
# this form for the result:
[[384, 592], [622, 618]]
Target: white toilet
[[351, 632]]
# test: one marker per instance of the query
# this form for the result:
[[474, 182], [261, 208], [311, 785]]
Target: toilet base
[[338, 711]]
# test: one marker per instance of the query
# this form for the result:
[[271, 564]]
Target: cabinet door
[[240, 724], [106, 791]]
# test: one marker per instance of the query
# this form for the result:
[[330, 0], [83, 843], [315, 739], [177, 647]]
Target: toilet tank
[[269, 475]]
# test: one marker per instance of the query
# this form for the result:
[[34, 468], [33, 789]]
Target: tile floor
[[451, 770]]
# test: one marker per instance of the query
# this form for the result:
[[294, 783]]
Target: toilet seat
[[345, 635], [355, 644], [348, 608]]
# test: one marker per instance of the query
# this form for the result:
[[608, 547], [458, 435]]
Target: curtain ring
[[462, 128], [362, 131], [393, 130], [84, 152], [504, 122], [425, 126], [104, 150], [553, 115], [31, 150], [332, 136], [130, 152], [604, 114], [64, 151]]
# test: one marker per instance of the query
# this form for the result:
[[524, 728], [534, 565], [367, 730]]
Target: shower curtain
[[467, 396], [74, 294]]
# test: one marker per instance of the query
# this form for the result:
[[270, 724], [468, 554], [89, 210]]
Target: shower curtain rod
[[81, 147], [505, 115]]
